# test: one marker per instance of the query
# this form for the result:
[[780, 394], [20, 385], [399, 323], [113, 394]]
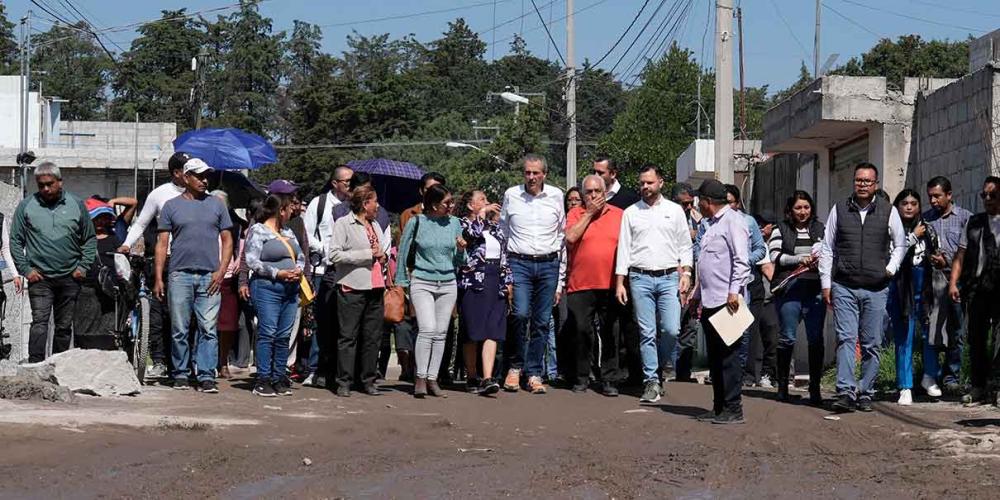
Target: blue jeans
[[803, 301], [534, 294], [858, 314], [275, 303], [551, 360], [187, 293], [905, 328], [657, 308]]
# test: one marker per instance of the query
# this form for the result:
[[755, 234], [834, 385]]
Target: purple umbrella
[[396, 182]]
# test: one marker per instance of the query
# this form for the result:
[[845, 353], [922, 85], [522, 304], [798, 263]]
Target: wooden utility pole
[[724, 90], [570, 97]]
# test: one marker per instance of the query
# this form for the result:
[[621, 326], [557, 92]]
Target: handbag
[[306, 294], [393, 301]]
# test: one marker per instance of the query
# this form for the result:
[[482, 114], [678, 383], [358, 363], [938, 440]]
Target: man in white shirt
[[654, 252], [534, 219], [862, 249], [159, 316], [318, 220]]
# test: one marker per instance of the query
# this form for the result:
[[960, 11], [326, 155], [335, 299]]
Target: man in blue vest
[[862, 249]]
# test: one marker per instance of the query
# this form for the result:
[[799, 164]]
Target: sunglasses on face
[[989, 195]]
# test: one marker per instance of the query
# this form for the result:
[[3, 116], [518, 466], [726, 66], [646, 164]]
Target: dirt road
[[171, 444]]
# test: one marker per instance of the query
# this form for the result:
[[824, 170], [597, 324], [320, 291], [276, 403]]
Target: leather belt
[[534, 258], [657, 273]]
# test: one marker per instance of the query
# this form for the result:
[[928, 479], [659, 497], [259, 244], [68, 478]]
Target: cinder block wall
[[16, 316], [955, 134]]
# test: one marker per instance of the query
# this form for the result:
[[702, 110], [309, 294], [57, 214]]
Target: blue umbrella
[[227, 148], [396, 182]]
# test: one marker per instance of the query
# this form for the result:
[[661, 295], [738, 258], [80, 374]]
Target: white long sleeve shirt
[[897, 244], [6, 258], [317, 243], [653, 238], [151, 210], [535, 225]]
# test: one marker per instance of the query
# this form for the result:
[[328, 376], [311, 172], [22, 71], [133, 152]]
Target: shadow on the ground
[[979, 422], [684, 411]]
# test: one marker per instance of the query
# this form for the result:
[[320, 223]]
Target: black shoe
[[488, 387], [371, 390], [282, 388], [208, 387], [729, 417], [580, 387], [263, 389], [843, 404], [708, 416], [865, 405], [343, 391], [181, 384], [609, 390], [472, 385]]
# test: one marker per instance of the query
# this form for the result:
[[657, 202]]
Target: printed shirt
[[949, 228], [472, 274]]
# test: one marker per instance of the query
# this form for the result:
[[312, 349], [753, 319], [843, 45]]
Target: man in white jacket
[[159, 317]]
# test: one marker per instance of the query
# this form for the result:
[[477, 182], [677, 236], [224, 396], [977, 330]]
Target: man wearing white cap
[[193, 226]]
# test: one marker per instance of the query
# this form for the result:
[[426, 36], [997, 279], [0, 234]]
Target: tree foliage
[[70, 65], [9, 52], [910, 55]]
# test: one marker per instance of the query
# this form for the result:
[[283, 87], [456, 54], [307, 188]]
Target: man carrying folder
[[723, 272]]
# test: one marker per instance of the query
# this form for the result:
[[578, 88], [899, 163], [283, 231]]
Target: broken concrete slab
[[29, 387], [91, 371]]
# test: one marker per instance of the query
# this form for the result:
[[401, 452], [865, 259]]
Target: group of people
[[618, 282]]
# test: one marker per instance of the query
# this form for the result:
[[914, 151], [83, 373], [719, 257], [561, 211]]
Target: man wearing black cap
[[159, 316]]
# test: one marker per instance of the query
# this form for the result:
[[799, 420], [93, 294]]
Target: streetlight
[[461, 145], [514, 98]]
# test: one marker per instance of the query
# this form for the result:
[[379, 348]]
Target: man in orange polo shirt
[[592, 237]]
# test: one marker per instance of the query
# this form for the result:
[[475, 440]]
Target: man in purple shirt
[[723, 272]]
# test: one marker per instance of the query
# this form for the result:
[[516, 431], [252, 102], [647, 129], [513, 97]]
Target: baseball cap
[[282, 186], [196, 166], [177, 160], [97, 208], [713, 190]]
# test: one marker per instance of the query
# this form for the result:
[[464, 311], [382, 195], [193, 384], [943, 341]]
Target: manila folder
[[731, 326]]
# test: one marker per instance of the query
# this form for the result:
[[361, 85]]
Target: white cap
[[196, 166]]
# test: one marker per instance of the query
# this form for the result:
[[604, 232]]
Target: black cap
[[713, 190], [178, 160]]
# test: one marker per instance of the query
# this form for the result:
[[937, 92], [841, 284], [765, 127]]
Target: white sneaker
[[905, 398], [765, 382], [310, 381], [930, 385]]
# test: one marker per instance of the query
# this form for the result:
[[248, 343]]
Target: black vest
[[788, 237], [862, 250], [624, 198], [979, 234]]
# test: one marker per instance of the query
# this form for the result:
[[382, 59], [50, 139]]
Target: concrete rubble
[[81, 371]]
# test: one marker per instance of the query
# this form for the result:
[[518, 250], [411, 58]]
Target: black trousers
[[327, 327], [586, 309], [622, 319], [56, 296], [763, 341], [360, 316], [723, 365], [984, 315], [687, 341], [159, 319]]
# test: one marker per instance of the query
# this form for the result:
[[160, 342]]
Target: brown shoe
[[435, 390], [536, 386], [420, 388], [513, 381], [224, 373]]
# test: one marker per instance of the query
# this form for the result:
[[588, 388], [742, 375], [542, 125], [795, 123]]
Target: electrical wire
[[410, 15], [624, 34], [679, 20], [638, 35], [853, 22], [578, 11], [549, 33], [640, 56], [914, 18], [790, 30], [952, 8]]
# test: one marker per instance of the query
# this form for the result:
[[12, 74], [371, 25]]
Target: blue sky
[[778, 33]]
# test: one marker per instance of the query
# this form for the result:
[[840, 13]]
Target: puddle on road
[[271, 487]]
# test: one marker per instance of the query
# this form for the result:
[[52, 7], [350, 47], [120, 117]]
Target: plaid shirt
[[949, 228]]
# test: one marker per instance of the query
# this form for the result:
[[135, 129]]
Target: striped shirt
[[803, 248]]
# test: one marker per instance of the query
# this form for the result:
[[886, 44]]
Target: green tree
[[154, 77], [72, 66], [9, 52], [804, 80], [910, 55]]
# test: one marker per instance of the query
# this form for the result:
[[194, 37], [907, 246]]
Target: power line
[[853, 22], [790, 30], [679, 20], [410, 15], [577, 11], [549, 33], [914, 18], [509, 21], [638, 35], [624, 33], [90, 24], [640, 56], [955, 9]]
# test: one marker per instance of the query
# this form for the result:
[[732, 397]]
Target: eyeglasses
[[865, 182], [345, 181], [989, 195]]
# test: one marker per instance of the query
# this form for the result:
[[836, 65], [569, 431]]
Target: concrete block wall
[[956, 134], [16, 316]]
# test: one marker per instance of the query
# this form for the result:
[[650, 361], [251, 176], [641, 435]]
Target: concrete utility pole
[[570, 97], [724, 90], [819, 6], [25, 97]]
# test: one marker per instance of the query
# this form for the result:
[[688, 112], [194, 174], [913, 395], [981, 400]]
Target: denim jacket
[[473, 273]]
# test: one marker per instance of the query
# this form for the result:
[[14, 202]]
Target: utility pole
[[570, 97], [135, 144], [724, 90], [25, 97], [743, 92], [819, 6]]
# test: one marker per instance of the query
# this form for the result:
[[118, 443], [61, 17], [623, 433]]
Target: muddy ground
[[171, 444]]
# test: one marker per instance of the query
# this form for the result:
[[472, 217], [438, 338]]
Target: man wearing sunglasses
[[864, 244], [975, 281]]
